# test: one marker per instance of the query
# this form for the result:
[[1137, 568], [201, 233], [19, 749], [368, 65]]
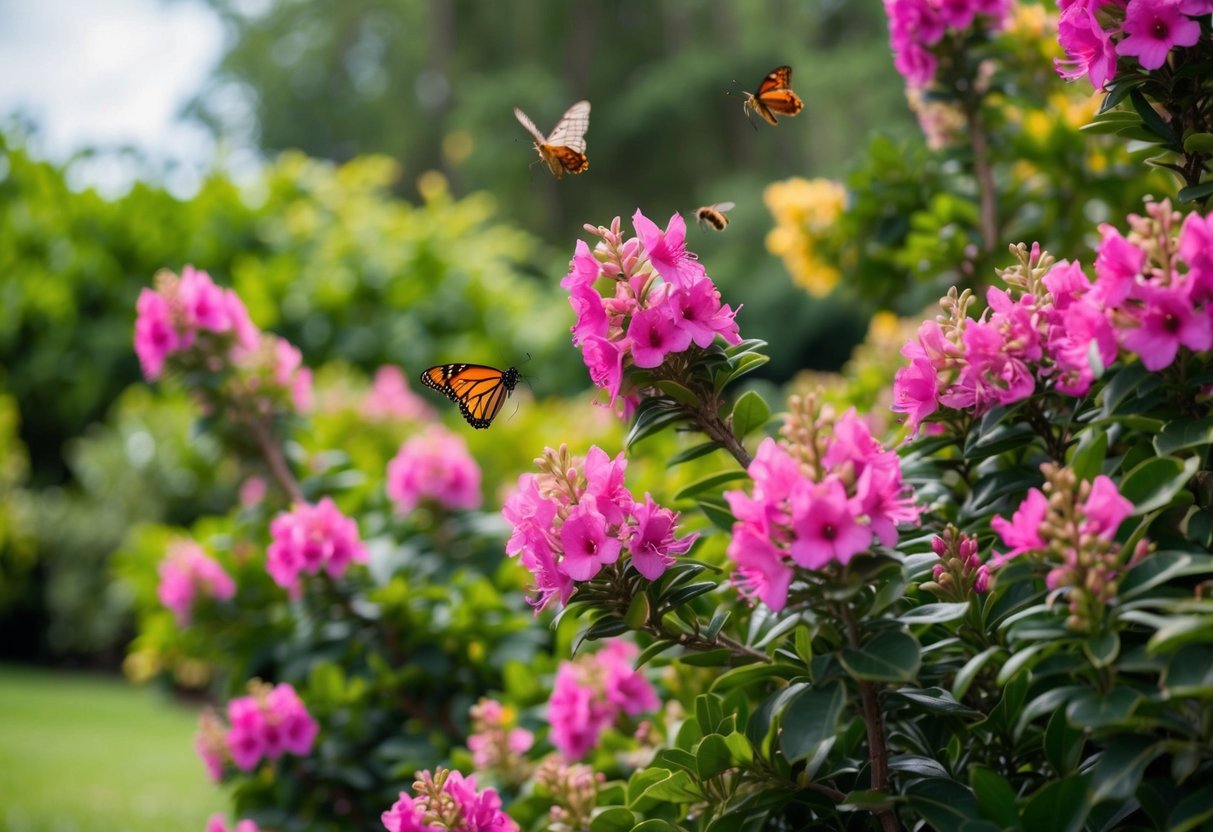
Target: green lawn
[[80, 753]]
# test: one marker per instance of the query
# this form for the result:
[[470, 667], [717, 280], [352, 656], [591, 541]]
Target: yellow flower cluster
[[805, 211]]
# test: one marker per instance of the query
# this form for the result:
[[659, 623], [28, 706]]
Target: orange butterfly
[[774, 96], [479, 391], [564, 148]]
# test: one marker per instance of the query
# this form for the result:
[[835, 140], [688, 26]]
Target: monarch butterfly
[[774, 96], [478, 390], [564, 148], [714, 215]]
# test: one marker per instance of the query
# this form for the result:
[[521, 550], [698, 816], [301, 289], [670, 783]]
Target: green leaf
[[935, 700], [1160, 567], [749, 413], [1102, 648], [966, 675], [1118, 771], [1191, 811], [749, 674], [1181, 630], [707, 658], [942, 803], [677, 788], [713, 756], [718, 513], [680, 596], [995, 797], [892, 656], [1195, 192], [1184, 433], [935, 613], [613, 819], [748, 345], [651, 421], [711, 483], [678, 392], [693, 452], [655, 825], [653, 651], [1004, 437], [1089, 454], [1155, 482], [1060, 806], [1092, 709], [809, 720], [1063, 744], [918, 765], [1198, 143], [1152, 120], [1189, 673], [739, 748]]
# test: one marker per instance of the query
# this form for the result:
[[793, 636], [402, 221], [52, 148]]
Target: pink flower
[[435, 466], [1117, 265], [1167, 320], [390, 397], [273, 721], [203, 303], [1105, 508], [654, 335], [155, 336], [1088, 47], [1022, 532], [587, 547], [625, 688], [1196, 249], [217, 824], [211, 744], [604, 359], [668, 250], [186, 572], [252, 491], [697, 311], [408, 815], [291, 375], [1081, 335], [825, 526], [1153, 28], [653, 545], [915, 390], [246, 738], [576, 716], [762, 571], [309, 538], [296, 727], [605, 482], [584, 298]]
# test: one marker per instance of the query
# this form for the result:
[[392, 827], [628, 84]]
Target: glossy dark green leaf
[[935, 613], [1093, 709], [710, 484], [935, 701], [1189, 673], [891, 656], [966, 674], [1063, 744], [917, 765], [707, 658], [1181, 630], [678, 392], [1184, 433], [1192, 811], [718, 513], [654, 650], [1118, 771], [1160, 567], [809, 720], [693, 452], [1152, 120], [995, 797], [1060, 806], [613, 819], [1102, 648], [1155, 482], [1195, 192], [678, 787], [750, 674], [652, 421], [750, 413], [1198, 143], [1089, 454], [713, 756], [942, 803]]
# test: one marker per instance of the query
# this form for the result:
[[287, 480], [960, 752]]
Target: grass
[[82, 753]]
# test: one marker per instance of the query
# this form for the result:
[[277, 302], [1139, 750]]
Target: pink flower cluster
[[495, 742], [173, 316], [917, 26], [661, 301], [1094, 32], [273, 720], [310, 538], [186, 573], [446, 801], [390, 398], [209, 328], [1153, 294], [814, 506], [217, 824], [1099, 515], [577, 516], [434, 465], [589, 695]]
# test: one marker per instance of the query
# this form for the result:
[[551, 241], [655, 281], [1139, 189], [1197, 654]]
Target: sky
[[109, 73]]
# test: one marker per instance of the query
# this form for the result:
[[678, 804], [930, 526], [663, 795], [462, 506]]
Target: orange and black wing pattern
[[480, 391], [564, 148], [775, 96]]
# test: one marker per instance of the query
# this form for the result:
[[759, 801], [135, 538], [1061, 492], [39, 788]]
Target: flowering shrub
[[1001, 622], [186, 573]]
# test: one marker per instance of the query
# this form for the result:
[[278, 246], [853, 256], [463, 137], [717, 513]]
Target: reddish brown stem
[[271, 452]]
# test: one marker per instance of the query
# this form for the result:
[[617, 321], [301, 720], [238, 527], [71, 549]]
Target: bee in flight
[[714, 216], [479, 391], [564, 148], [774, 96]]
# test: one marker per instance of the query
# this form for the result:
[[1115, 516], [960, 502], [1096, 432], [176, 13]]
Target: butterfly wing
[[480, 391], [526, 122], [570, 131], [775, 93]]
